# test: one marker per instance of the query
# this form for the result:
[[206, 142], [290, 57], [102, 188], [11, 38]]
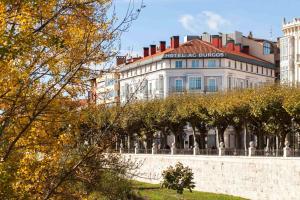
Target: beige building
[[105, 89]]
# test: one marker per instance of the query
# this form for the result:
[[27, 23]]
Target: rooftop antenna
[[271, 33]]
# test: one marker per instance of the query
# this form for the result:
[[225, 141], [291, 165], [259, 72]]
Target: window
[[178, 85], [212, 85], [195, 83], [230, 82], [195, 64], [212, 63], [178, 64], [150, 88], [267, 48], [229, 63], [111, 94]]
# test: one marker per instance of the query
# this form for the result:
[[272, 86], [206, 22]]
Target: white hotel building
[[198, 65], [202, 64], [290, 52]]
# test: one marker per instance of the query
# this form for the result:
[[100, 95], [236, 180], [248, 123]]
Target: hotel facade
[[202, 64]]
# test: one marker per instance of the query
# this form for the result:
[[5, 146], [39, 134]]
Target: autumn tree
[[47, 48], [193, 110]]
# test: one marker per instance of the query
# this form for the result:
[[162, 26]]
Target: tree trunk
[[237, 139], [245, 137], [282, 140], [260, 141], [202, 141], [194, 136], [163, 140], [221, 134], [217, 138]]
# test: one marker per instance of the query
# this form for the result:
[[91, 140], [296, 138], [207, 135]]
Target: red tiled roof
[[198, 46], [157, 54]]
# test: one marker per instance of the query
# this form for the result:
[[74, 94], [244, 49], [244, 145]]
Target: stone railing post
[[252, 149], [154, 148], [267, 151], [121, 148], [136, 148], [196, 149], [173, 149], [287, 150], [221, 149]]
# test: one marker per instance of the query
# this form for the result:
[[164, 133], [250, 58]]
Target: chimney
[[230, 45], [162, 46], [216, 41], [238, 47], [152, 49], [174, 42], [121, 60], [246, 49], [146, 52]]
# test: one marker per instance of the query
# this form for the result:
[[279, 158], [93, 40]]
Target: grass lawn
[[154, 192]]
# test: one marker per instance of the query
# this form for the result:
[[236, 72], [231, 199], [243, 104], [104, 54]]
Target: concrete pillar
[[173, 149], [121, 148], [287, 150], [252, 149], [136, 148], [196, 149], [154, 148], [222, 149]]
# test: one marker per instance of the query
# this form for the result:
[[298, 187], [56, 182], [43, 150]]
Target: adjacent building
[[105, 88], [290, 52]]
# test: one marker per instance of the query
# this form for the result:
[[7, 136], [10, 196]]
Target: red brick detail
[[152, 50], [162, 46], [174, 42], [230, 45], [216, 41], [146, 52], [238, 47]]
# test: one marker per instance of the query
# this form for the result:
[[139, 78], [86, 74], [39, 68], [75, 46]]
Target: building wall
[[158, 79], [256, 49], [290, 52], [257, 178], [107, 88]]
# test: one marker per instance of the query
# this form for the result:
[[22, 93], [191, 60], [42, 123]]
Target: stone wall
[[256, 178]]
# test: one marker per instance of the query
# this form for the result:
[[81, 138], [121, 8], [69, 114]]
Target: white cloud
[[206, 20], [189, 23]]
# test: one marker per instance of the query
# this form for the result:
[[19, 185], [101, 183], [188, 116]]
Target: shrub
[[178, 177]]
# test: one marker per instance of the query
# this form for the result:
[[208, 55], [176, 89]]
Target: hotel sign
[[195, 55]]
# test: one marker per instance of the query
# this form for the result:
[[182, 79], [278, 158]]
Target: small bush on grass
[[177, 178]]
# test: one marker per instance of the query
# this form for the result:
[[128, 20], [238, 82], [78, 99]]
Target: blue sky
[[161, 19]]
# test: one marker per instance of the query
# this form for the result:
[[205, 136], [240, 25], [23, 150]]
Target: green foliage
[[178, 178], [111, 186], [265, 111]]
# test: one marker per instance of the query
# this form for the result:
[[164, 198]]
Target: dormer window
[[267, 48]]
